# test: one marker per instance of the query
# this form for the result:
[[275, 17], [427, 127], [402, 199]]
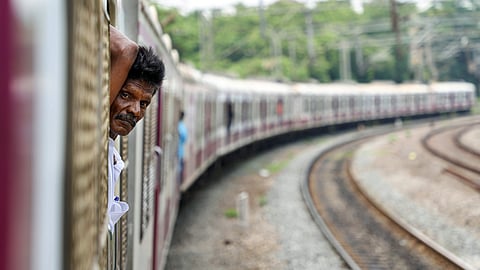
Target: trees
[[329, 41]]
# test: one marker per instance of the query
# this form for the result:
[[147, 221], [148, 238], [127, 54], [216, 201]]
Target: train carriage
[[156, 199], [455, 96]]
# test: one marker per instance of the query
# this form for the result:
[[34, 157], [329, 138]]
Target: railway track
[[364, 234], [445, 143], [462, 145]]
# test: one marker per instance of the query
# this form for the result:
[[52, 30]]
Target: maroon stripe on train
[[7, 185]]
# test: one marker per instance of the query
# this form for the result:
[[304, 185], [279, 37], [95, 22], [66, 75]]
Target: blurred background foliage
[[329, 41]]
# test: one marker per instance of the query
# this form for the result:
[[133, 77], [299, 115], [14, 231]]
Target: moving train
[[55, 110]]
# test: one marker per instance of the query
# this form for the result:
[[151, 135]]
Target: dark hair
[[147, 67]]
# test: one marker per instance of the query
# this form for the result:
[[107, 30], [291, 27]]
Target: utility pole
[[345, 67], [359, 54], [310, 36], [262, 19], [276, 49], [429, 54], [395, 27], [292, 50], [398, 42], [206, 40]]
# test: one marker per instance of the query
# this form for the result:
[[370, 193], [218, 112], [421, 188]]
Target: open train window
[[229, 114], [280, 107]]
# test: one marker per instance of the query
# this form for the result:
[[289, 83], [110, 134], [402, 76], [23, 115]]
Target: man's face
[[129, 107]]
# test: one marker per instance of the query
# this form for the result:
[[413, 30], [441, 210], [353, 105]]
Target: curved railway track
[[462, 145], [365, 235], [445, 143]]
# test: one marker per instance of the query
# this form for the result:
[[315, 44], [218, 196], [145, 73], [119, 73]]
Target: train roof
[[245, 86], [326, 88], [393, 88], [374, 88], [453, 87]]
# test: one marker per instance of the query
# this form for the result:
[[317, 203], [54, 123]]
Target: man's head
[[143, 81], [182, 115]]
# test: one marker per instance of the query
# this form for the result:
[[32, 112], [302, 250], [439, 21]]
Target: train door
[[279, 111], [352, 108], [209, 142], [321, 108], [244, 117], [229, 116], [451, 100], [335, 105], [313, 109]]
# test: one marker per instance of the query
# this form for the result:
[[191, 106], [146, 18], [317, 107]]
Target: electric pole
[[262, 19], [310, 35], [398, 76]]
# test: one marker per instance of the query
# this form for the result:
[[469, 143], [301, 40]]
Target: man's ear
[[123, 52]]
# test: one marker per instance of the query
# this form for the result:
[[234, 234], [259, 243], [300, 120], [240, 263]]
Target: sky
[[189, 5]]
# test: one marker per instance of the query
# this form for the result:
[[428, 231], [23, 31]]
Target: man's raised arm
[[123, 52]]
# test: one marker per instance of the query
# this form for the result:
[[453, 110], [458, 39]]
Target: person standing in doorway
[[182, 139]]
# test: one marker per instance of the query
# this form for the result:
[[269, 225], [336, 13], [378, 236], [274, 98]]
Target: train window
[[214, 113], [279, 108], [452, 98], [335, 103], [377, 103], [243, 111], [263, 109], [206, 118], [229, 114], [250, 110], [112, 11], [273, 107], [320, 104], [254, 109], [199, 115]]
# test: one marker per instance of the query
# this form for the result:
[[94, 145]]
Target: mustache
[[130, 118]]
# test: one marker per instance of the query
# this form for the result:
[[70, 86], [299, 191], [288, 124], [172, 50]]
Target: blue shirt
[[182, 134]]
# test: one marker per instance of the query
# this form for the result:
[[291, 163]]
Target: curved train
[[54, 173]]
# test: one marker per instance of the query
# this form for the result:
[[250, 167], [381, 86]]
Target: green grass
[[392, 138], [262, 201], [277, 166], [231, 213]]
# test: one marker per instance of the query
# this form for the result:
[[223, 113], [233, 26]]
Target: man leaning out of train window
[[136, 73]]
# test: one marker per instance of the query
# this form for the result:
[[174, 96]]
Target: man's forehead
[[140, 85]]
